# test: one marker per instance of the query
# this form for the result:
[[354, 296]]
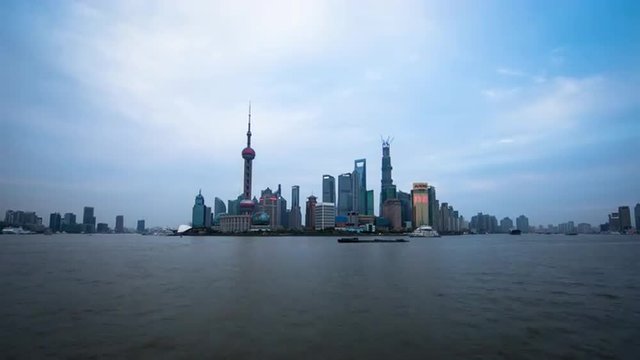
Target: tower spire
[[249, 128]]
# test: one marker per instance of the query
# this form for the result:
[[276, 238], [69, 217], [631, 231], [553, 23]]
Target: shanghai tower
[[248, 154], [388, 190]]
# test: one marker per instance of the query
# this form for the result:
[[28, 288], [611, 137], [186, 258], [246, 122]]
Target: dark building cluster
[[66, 223]]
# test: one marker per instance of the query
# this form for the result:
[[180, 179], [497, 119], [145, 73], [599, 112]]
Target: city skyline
[[526, 127]]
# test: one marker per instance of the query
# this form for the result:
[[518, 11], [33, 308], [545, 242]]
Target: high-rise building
[[219, 207], [406, 209], [370, 203], [89, 220], [295, 215], [247, 205], [69, 219], [420, 204], [140, 228], [199, 211], [328, 189], [522, 223], [392, 211], [310, 214], [270, 204], [360, 186], [325, 216], [636, 212], [388, 190], [55, 222], [102, 228], [433, 207], [345, 193], [625, 218], [119, 224], [506, 225]]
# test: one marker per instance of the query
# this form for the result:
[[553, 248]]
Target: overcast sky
[[507, 107]]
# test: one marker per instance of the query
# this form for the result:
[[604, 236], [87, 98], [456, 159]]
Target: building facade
[[325, 216], [119, 224], [387, 189], [506, 225], [140, 227], [328, 189], [420, 204], [310, 213], [345, 194], [55, 222], [625, 218], [360, 185], [235, 223], [392, 211], [199, 212], [522, 223], [88, 220]]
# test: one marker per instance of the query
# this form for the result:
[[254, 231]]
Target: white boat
[[424, 231], [15, 231]]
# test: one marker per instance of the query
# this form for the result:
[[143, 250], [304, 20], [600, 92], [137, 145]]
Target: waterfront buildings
[[55, 222], [420, 204], [275, 206], [625, 218], [140, 228], [235, 223], [636, 212], [345, 194], [199, 212], [392, 210], [360, 186], [433, 208], [483, 223], [328, 189], [614, 222], [325, 216], [406, 210], [295, 215], [119, 224], [69, 219], [248, 154], [219, 207], [310, 213], [102, 228], [506, 225], [522, 223], [370, 203], [89, 220]]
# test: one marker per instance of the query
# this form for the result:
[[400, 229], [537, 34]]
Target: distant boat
[[16, 231], [356, 240], [424, 231], [516, 232]]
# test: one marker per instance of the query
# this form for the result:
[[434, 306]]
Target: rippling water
[[486, 296]]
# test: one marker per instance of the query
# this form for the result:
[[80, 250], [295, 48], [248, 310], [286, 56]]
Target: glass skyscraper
[[360, 185], [345, 193], [328, 189]]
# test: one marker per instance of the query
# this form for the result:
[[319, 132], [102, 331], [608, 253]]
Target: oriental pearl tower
[[248, 154]]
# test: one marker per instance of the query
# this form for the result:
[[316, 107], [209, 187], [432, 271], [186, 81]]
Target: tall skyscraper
[[522, 223], [119, 224], [55, 222], [388, 190], [420, 204], [370, 203], [248, 154], [328, 189], [310, 214], [295, 215], [433, 207], [199, 211], [406, 209], [360, 186], [219, 207], [69, 219], [625, 218], [89, 220], [345, 193], [636, 212]]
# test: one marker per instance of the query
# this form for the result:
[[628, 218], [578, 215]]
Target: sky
[[506, 107]]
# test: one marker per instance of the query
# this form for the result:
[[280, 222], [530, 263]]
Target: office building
[[392, 212], [406, 209], [218, 206], [325, 216], [199, 212], [522, 223], [388, 190], [89, 220], [360, 186], [55, 222], [295, 215], [235, 223], [625, 218], [119, 224], [370, 203], [433, 207], [310, 213], [636, 212], [140, 229], [614, 222], [345, 194], [506, 225], [102, 228], [328, 189], [420, 204]]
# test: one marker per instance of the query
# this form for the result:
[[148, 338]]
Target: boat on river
[[424, 231]]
